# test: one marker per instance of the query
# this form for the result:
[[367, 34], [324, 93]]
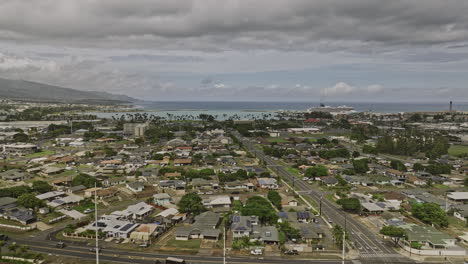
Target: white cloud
[[219, 85], [342, 88]]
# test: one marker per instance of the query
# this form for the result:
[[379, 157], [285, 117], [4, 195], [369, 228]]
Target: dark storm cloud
[[225, 25]]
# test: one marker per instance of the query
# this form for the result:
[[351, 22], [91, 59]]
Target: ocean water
[[245, 110]]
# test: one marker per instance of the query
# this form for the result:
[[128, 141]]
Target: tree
[[289, 231], [86, 180], [396, 233], [360, 166], [21, 137], [398, 165], [418, 167], [191, 203], [316, 171], [350, 204], [465, 182], [29, 200], [275, 199], [41, 186], [368, 149], [260, 207], [337, 233], [430, 213], [356, 154]]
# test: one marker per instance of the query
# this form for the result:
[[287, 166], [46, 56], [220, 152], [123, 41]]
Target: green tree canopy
[[350, 204], [396, 233], [260, 207], [316, 171], [29, 200], [86, 180], [41, 186], [191, 203], [430, 213], [275, 199]]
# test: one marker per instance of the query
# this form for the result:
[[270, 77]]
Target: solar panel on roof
[[126, 227]]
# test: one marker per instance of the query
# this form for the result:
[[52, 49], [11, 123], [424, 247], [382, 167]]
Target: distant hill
[[26, 90]]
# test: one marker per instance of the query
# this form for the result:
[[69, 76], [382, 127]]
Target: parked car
[[4, 237], [291, 252], [256, 252], [89, 210]]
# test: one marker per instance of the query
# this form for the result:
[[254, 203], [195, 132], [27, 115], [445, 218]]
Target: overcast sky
[[348, 50]]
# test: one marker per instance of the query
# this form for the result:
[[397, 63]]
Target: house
[[238, 186], [134, 212], [49, 196], [182, 162], [101, 193], [112, 226], [167, 216], [265, 234], [205, 185], [428, 236], [7, 202], [329, 181], [162, 199], [204, 227], [172, 184], [136, 186], [217, 201], [145, 232], [114, 181], [396, 174], [372, 208], [20, 149], [307, 224], [267, 183], [76, 189], [64, 201], [461, 212], [14, 175], [49, 170], [19, 214], [460, 197], [242, 226]]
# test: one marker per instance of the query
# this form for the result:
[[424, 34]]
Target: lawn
[[294, 171], [276, 140], [457, 150], [84, 205], [40, 154], [189, 244]]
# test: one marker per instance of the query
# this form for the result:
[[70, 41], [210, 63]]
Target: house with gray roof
[[204, 227], [14, 175], [265, 234], [242, 226]]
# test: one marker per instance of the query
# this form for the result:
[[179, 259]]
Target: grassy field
[[190, 244], [457, 150], [277, 140], [294, 171], [84, 205], [40, 154]]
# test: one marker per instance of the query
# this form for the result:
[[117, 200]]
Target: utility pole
[[224, 248], [96, 223], [320, 206], [343, 253]]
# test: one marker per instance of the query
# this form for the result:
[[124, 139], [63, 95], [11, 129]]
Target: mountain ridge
[[30, 90]]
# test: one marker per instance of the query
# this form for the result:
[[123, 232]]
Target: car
[[60, 245], [291, 252], [94, 250], [89, 210], [330, 221], [3, 237], [256, 252]]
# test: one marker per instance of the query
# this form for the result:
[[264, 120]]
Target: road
[[372, 249], [120, 256]]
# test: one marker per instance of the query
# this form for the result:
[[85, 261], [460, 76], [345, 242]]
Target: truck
[[172, 260]]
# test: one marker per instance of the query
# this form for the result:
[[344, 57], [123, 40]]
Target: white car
[[256, 252], [89, 210]]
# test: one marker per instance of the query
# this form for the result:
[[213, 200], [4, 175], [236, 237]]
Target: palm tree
[[13, 247]]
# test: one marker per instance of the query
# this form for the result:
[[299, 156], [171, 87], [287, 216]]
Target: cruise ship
[[343, 109]]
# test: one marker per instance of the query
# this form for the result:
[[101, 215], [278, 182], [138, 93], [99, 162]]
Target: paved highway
[[371, 247], [122, 256]]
